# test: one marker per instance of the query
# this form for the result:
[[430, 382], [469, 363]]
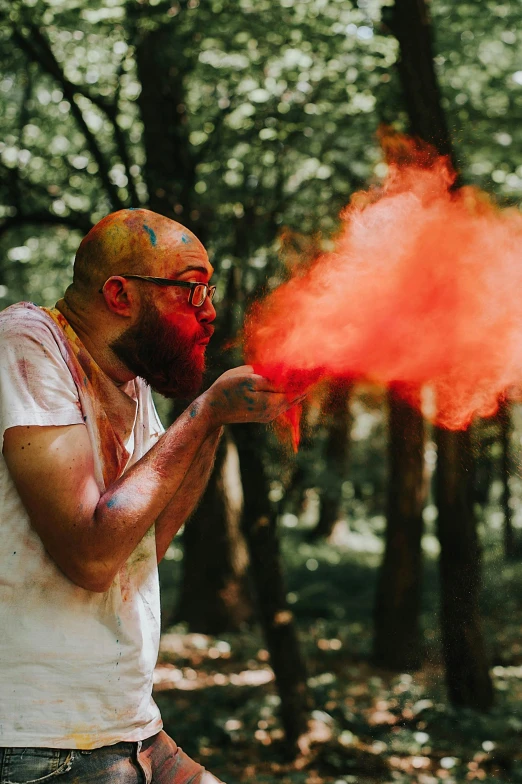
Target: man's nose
[[207, 312]]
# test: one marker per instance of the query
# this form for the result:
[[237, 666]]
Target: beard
[[169, 360]]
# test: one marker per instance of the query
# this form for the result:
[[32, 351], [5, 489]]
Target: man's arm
[[184, 502], [90, 537]]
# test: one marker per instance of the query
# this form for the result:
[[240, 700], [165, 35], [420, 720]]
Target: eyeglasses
[[198, 291]]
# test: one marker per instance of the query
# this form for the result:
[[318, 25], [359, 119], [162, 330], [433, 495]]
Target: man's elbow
[[93, 577]]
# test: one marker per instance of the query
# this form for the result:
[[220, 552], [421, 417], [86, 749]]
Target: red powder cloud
[[424, 286]]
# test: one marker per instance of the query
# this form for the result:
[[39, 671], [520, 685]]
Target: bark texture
[[467, 675], [397, 640], [215, 594], [260, 530], [169, 168], [338, 424], [505, 427], [410, 23]]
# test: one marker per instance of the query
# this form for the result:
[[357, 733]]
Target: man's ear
[[119, 296]]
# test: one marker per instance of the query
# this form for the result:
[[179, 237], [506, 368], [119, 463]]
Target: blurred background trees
[[253, 123]]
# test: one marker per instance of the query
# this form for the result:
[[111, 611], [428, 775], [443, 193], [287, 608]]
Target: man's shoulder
[[24, 318]]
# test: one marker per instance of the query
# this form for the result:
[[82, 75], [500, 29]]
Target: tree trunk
[[259, 526], [504, 420], [466, 669], [293, 500], [214, 592], [338, 423], [410, 23], [215, 596], [467, 675], [397, 640], [170, 166]]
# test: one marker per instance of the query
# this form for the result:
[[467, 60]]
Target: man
[[92, 492]]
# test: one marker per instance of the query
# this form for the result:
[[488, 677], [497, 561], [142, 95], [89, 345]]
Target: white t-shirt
[[76, 667]]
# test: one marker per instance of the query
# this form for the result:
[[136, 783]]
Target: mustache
[[207, 331]]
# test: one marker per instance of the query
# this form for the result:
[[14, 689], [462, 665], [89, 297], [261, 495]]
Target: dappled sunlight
[[253, 122], [368, 726], [187, 679], [211, 663]]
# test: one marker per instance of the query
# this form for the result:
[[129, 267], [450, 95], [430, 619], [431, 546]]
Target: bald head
[[132, 327], [137, 242]]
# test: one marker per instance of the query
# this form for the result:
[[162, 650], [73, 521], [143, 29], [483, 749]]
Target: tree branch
[[74, 221], [13, 177], [109, 108], [213, 139], [120, 140], [44, 56]]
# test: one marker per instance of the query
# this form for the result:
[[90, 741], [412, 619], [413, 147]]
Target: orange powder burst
[[424, 286]]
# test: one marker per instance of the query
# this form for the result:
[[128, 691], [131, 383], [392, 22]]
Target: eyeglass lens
[[199, 294]]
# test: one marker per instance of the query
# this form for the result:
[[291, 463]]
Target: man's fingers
[[279, 403], [299, 399], [263, 384], [291, 401], [243, 370], [241, 395]]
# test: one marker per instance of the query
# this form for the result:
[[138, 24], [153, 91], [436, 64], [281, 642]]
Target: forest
[[350, 612]]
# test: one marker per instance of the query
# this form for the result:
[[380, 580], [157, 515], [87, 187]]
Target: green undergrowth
[[218, 699]]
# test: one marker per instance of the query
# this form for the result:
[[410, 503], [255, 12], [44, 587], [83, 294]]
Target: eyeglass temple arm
[[164, 282]]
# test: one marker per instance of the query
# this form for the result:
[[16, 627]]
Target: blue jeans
[[157, 760]]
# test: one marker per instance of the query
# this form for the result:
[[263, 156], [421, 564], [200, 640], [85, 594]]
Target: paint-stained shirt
[[76, 667]]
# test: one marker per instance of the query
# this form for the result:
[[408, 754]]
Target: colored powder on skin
[[185, 239], [422, 287], [151, 233]]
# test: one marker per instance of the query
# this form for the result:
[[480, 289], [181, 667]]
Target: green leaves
[[279, 110]]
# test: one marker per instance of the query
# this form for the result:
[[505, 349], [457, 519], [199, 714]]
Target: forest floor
[[219, 702]]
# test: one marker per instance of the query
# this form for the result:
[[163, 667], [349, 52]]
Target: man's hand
[[240, 395]]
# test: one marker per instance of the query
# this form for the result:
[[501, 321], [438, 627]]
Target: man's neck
[[96, 342]]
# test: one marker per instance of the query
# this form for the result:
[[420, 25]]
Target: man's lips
[[205, 338]]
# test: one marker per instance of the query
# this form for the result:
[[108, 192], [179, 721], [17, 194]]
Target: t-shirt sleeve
[[36, 387], [157, 428]]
